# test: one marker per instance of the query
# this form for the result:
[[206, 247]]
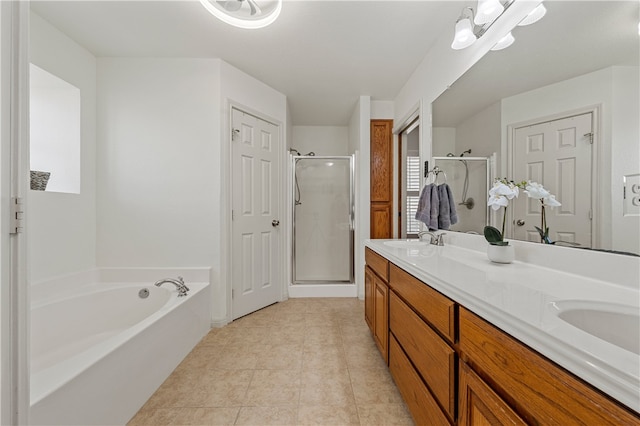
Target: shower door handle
[[275, 223]]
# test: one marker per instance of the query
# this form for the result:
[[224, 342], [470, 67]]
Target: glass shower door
[[322, 220]]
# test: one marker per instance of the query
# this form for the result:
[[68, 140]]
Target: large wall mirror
[[560, 107]]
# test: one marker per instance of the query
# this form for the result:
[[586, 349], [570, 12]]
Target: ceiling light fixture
[[244, 13], [534, 16], [488, 11], [504, 42]]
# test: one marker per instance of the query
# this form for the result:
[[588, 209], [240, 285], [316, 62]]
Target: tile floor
[[298, 362]]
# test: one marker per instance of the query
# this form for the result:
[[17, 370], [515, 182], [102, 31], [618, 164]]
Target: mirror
[[581, 59]]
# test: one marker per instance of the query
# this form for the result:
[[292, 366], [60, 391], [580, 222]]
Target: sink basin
[[616, 324], [406, 243]]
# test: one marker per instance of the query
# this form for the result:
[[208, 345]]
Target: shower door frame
[[294, 160], [489, 161]]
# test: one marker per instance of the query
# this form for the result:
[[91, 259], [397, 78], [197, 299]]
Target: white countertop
[[520, 299]]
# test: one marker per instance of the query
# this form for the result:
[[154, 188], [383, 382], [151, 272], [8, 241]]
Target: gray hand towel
[[427, 212], [447, 215]]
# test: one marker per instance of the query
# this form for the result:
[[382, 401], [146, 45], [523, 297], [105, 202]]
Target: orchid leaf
[[494, 236]]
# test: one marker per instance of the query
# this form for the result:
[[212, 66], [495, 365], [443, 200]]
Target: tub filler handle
[[179, 283]]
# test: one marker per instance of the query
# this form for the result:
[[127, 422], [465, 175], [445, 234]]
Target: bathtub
[[99, 351]]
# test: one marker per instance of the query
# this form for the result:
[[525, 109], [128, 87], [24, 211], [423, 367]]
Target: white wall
[[158, 162], [62, 227], [323, 140], [164, 159], [382, 110]]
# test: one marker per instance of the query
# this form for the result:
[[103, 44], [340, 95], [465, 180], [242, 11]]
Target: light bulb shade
[[464, 36], [244, 13], [488, 11], [504, 42], [534, 16]]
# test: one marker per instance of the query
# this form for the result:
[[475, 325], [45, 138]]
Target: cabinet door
[[480, 405], [381, 179], [368, 297], [381, 317]]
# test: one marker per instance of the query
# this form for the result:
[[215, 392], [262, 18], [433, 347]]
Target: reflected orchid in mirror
[[537, 191]]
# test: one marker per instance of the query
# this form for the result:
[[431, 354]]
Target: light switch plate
[[631, 195]]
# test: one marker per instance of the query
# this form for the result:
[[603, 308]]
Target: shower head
[[294, 150], [465, 152]]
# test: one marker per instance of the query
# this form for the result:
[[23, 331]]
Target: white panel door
[[255, 218], [556, 154]]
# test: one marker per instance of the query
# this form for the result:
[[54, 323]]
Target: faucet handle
[[181, 280], [440, 240]]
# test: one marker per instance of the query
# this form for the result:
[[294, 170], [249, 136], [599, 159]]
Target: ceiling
[[322, 55], [574, 38]]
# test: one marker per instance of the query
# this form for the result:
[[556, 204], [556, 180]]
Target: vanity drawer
[[433, 358], [377, 263], [539, 390], [423, 407], [432, 306]]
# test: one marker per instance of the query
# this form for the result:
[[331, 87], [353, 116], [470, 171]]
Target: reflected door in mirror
[[556, 154]]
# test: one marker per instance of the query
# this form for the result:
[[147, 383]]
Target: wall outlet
[[631, 195]]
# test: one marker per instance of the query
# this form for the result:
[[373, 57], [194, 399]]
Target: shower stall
[[323, 219], [469, 179]]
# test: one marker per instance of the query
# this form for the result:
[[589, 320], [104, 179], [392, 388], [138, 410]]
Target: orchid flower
[[537, 191], [499, 196]]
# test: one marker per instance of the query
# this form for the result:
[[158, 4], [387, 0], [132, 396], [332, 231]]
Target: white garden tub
[[99, 351]]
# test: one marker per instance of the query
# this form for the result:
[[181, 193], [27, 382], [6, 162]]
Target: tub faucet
[[436, 239], [179, 283]]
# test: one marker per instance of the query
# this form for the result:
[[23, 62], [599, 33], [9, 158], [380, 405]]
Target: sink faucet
[[436, 239], [179, 283]]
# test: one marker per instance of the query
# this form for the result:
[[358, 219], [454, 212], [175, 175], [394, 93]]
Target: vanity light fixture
[[464, 35], [504, 42], [534, 16], [488, 11], [244, 13], [469, 28]]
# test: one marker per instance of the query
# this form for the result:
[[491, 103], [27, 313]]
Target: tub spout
[[179, 283]]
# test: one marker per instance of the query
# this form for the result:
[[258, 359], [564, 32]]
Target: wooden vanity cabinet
[[422, 330], [454, 368], [376, 300], [535, 388], [479, 405]]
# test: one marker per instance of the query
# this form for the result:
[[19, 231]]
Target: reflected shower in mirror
[[580, 62]]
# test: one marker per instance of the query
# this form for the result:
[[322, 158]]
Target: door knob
[[275, 222], [520, 222]]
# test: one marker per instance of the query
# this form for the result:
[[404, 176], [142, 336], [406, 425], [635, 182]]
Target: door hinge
[[17, 216], [234, 133], [590, 135], [233, 215], [590, 214], [233, 293]]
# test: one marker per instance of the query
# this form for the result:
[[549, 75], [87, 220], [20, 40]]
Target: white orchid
[[537, 191], [505, 189], [551, 201], [499, 196]]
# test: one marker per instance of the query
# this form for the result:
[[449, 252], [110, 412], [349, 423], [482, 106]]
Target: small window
[[413, 194]]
